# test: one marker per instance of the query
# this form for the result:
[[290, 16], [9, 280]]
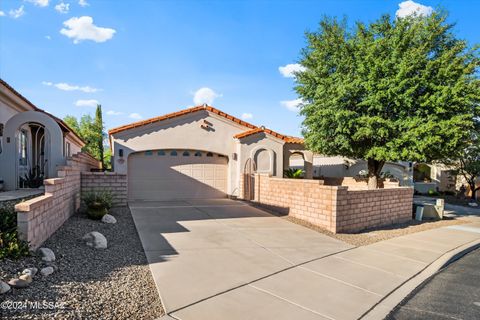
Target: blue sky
[[142, 59]]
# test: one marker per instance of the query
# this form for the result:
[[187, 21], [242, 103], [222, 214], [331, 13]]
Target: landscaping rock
[[22, 282], [108, 218], [4, 287], [95, 240], [47, 254], [31, 271], [473, 204], [47, 271]]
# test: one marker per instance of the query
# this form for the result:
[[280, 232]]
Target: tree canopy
[[91, 130], [395, 89]]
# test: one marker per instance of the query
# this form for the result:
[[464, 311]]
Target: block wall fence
[[39, 217], [338, 209], [115, 183]]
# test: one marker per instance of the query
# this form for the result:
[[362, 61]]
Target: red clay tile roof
[[253, 129], [180, 113], [287, 139], [62, 124]]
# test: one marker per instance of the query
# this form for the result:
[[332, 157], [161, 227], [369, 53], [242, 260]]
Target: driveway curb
[[383, 308]]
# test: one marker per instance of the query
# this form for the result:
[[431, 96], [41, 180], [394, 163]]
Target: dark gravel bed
[[114, 283]]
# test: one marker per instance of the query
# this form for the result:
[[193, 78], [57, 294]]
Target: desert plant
[[98, 203], [432, 192], [293, 173], [33, 178]]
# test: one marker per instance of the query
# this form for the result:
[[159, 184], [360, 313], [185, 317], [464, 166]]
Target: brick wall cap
[[31, 204], [53, 181]]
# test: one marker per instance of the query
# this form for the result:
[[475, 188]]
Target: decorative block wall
[[109, 181], [335, 208], [40, 217]]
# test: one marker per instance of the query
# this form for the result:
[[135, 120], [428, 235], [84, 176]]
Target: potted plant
[[97, 203]]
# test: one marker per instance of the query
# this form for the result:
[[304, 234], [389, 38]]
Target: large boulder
[[4, 287], [95, 240], [47, 254], [31, 271], [108, 218], [47, 271], [22, 282]]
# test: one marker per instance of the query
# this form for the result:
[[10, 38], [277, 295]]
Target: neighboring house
[[32, 141], [200, 152], [328, 166]]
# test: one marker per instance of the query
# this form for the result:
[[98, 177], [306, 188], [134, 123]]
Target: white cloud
[[292, 105], [114, 113], [289, 70], [2, 14], [407, 8], [87, 103], [69, 87], [83, 3], [17, 13], [82, 28], [48, 37], [62, 7], [39, 3], [135, 116], [246, 116], [205, 95]]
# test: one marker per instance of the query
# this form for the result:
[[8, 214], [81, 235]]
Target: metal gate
[[249, 179]]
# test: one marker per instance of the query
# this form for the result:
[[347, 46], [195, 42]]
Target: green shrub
[[98, 203], [432, 192], [293, 173], [10, 245]]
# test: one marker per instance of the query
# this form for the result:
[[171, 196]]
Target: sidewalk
[[360, 283]]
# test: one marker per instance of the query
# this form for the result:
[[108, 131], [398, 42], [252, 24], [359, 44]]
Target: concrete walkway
[[220, 259]]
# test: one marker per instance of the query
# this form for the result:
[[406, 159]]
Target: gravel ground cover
[[374, 235], [114, 283]]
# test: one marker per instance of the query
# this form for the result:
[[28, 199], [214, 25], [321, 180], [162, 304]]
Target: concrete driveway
[[199, 250]]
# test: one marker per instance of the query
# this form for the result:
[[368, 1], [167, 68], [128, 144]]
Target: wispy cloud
[[292, 105], [2, 14], [83, 3], [69, 87], [82, 28], [48, 37], [17, 13], [62, 7], [39, 3], [135, 116], [289, 70], [205, 96], [114, 113], [408, 8], [246, 116], [87, 103]]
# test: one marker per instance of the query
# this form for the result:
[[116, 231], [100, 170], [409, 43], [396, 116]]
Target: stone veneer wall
[[107, 181], [335, 208], [40, 217]]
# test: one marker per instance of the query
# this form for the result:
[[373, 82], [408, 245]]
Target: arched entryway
[[32, 150]]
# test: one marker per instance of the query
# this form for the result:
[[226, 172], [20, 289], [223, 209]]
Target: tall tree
[[395, 89], [99, 133]]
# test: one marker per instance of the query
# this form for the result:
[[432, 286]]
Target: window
[[209, 154], [160, 152], [186, 154], [148, 153], [198, 154], [173, 153], [23, 148]]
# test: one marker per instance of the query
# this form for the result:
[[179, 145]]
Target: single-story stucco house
[[200, 152], [33, 143]]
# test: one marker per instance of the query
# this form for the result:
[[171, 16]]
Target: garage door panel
[[152, 177]]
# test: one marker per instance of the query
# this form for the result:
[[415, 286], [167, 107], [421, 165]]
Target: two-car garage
[[176, 174]]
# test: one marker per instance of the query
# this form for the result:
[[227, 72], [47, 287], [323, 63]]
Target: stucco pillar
[[308, 164]]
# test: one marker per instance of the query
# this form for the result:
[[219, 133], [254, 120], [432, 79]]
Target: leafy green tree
[[91, 130], [394, 89]]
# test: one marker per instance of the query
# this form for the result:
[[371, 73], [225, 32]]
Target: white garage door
[[176, 174]]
